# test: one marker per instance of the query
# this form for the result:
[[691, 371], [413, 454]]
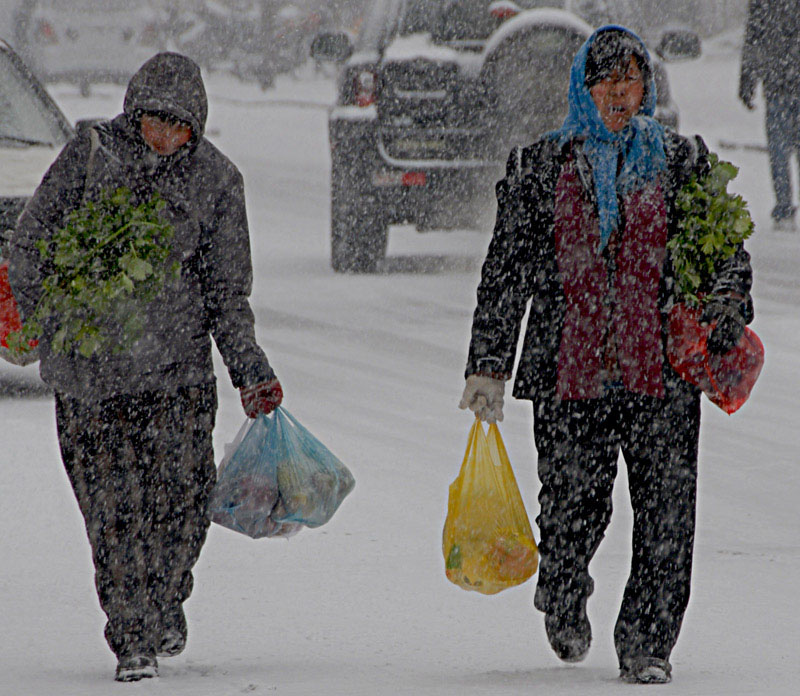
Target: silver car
[[32, 132], [86, 41]]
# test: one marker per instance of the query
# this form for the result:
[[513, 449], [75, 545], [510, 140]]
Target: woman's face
[[164, 137], [619, 96]]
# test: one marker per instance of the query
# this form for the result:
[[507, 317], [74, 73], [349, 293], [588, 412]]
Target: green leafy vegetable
[[712, 224], [108, 260]]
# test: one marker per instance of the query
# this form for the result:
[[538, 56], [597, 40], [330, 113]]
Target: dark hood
[[172, 83]]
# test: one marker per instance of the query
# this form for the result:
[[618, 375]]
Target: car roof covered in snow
[[420, 45], [544, 17]]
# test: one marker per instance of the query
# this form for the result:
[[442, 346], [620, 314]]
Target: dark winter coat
[[204, 193], [771, 51], [521, 264]]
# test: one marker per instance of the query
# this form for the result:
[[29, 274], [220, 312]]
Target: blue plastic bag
[[276, 478]]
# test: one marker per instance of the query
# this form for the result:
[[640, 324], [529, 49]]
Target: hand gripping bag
[[487, 542], [726, 379], [276, 478]]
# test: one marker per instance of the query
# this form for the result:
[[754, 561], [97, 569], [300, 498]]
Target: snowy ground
[[373, 366]]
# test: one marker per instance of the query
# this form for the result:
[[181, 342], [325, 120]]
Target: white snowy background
[[373, 366]]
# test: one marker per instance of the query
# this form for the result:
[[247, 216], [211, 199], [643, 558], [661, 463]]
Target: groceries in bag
[[726, 379], [488, 543], [278, 478]]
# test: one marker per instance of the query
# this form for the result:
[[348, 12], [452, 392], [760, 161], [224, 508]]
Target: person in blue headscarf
[[584, 216]]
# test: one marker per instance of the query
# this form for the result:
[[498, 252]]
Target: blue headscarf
[[641, 142]]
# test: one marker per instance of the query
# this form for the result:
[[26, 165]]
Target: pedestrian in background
[[771, 56], [135, 427], [584, 216]]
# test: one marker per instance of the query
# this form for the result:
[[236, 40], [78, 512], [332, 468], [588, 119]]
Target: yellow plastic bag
[[487, 542]]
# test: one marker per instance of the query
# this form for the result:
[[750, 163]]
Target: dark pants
[[783, 139], [578, 444], [142, 468]]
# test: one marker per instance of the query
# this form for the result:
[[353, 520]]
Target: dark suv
[[431, 97]]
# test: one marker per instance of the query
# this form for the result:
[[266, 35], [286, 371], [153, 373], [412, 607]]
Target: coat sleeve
[[504, 290], [227, 282], [752, 49], [59, 193]]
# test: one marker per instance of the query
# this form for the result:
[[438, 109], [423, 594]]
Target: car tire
[[359, 234]]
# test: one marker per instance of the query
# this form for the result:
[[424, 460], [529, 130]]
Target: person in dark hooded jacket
[[771, 56], [583, 220], [135, 427]]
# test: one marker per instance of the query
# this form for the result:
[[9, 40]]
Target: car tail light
[[502, 9], [396, 178], [365, 88], [414, 179], [45, 32]]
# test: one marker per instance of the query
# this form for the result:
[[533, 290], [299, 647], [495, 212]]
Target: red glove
[[264, 398]]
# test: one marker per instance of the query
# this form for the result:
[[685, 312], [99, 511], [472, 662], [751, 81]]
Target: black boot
[[135, 667], [569, 632], [173, 632], [646, 670]]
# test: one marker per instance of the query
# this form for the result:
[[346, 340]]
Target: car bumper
[[430, 193]]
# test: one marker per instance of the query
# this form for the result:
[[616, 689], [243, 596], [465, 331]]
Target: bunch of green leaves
[[106, 263], [712, 224]]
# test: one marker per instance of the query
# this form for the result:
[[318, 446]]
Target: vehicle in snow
[[87, 41], [230, 35], [32, 132], [431, 98]]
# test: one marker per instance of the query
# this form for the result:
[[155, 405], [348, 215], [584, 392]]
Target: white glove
[[484, 396]]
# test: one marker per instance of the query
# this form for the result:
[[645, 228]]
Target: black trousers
[[578, 445], [142, 469]]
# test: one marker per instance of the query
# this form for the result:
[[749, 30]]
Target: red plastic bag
[[9, 315], [10, 321], [726, 379]]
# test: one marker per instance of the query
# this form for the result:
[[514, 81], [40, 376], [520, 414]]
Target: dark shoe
[[569, 633], [646, 670], [785, 225], [136, 667], [780, 212], [173, 633]]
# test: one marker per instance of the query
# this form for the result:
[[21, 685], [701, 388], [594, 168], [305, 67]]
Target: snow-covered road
[[373, 366]]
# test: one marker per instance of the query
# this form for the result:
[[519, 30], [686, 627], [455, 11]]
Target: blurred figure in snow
[[135, 427], [771, 55], [584, 216]]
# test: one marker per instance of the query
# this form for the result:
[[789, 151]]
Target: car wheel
[[359, 233]]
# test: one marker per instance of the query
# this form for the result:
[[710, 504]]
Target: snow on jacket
[[521, 264], [771, 51], [204, 193]]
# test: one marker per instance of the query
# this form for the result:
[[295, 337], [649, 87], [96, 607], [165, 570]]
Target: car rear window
[[456, 20], [89, 5], [24, 117]]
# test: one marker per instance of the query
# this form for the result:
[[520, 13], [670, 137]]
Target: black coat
[[771, 51], [204, 192], [521, 264]]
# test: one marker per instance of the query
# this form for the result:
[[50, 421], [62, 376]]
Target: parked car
[[431, 97], [32, 132], [87, 41], [230, 35]]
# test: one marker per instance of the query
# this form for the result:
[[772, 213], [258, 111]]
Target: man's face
[[164, 137], [619, 96]]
